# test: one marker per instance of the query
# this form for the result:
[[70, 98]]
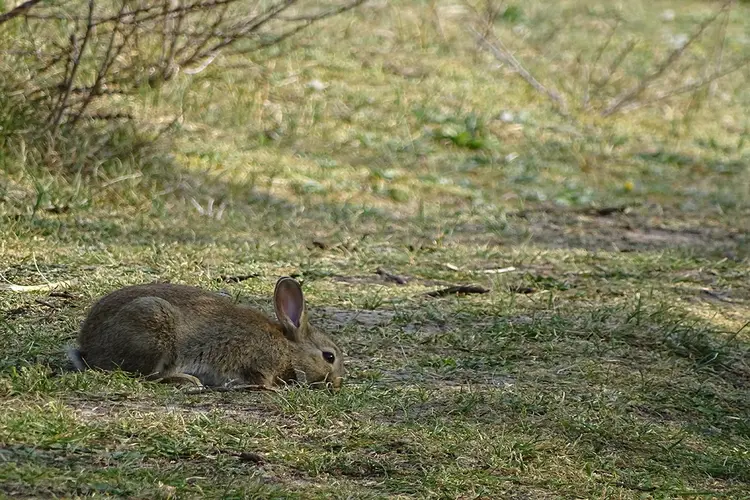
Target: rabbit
[[182, 334]]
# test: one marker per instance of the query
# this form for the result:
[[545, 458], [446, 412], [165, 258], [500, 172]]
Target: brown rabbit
[[178, 333]]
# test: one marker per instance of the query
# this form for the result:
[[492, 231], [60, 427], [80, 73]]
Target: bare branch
[[635, 92], [719, 52], [502, 54], [10, 287], [692, 86], [239, 31], [73, 54], [77, 55], [599, 52], [110, 56], [174, 35], [615, 65], [152, 12], [324, 13], [18, 10]]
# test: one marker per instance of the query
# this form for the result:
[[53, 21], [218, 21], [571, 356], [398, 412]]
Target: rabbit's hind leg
[[139, 338]]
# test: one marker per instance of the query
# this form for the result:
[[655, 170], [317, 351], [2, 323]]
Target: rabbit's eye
[[328, 356]]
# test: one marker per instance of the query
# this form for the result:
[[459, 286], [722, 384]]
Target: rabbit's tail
[[76, 357]]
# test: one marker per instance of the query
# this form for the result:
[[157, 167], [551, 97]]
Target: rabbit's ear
[[290, 308]]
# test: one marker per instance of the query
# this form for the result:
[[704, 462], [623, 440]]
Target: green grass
[[623, 371]]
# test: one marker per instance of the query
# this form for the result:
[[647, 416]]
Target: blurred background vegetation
[[99, 85]]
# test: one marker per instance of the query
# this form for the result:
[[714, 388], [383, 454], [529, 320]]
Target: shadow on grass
[[615, 382], [205, 216]]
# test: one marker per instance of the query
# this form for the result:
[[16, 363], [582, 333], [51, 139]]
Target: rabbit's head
[[316, 359]]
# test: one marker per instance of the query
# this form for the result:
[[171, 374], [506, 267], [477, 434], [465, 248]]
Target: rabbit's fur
[[182, 333]]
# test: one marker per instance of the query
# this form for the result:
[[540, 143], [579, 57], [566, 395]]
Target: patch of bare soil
[[632, 233], [335, 317], [458, 380], [379, 279], [622, 231]]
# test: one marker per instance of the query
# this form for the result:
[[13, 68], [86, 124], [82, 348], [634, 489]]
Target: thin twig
[[205, 64], [10, 287], [241, 30], [165, 18], [457, 290], [111, 116], [690, 87], [599, 52], [78, 54], [615, 65], [208, 57], [147, 13], [719, 53], [110, 55], [635, 92], [274, 40], [110, 48], [324, 13], [69, 54], [45, 303], [502, 54], [389, 276], [175, 35], [18, 10]]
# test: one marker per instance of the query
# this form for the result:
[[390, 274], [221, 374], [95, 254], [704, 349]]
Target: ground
[[609, 358]]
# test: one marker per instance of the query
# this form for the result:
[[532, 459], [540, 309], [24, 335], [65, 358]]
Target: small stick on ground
[[607, 211], [388, 276], [45, 303], [250, 456], [500, 270], [711, 294], [10, 287], [245, 456], [458, 290], [236, 279]]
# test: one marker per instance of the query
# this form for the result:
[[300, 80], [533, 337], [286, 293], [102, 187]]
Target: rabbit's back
[[164, 327], [199, 311], [185, 298]]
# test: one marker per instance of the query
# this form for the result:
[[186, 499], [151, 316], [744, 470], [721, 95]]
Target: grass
[[611, 362]]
